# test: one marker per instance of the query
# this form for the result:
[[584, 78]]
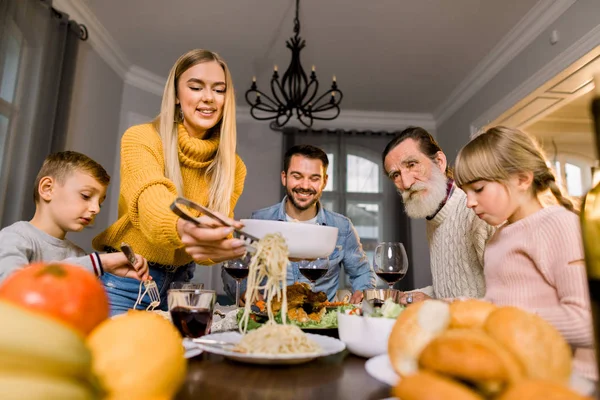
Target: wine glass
[[238, 270], [390, 262], [313, 269], [191, 310]]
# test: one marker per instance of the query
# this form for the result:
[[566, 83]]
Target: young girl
[[535, 260], [188, 150]]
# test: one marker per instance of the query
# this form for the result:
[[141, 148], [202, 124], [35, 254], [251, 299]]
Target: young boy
[[68, 192]]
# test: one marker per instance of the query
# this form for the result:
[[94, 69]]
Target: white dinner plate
[[191, 348], [380, 368], [328, 345]]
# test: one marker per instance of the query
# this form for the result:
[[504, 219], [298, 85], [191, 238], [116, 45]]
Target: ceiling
[[387, 55]]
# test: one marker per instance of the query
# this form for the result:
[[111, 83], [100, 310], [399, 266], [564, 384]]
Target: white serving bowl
[[365, 336], [305, 241]]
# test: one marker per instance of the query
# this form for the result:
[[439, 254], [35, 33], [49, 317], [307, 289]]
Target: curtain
[[358, 189], [38, 49]]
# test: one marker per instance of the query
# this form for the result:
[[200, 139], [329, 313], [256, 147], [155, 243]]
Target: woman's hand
[[210, 241]]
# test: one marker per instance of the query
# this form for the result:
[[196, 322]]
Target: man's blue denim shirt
[[348, 253]]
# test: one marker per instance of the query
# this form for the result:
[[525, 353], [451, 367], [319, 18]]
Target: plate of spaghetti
[[273, 342], [292, 347]]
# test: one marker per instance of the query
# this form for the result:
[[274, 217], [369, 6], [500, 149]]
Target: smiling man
[[304, 177], [416, 164]]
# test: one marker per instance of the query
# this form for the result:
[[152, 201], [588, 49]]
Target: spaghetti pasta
[[267, 272]]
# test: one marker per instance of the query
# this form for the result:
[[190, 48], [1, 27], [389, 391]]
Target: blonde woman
[[188, 150], [535, 259]]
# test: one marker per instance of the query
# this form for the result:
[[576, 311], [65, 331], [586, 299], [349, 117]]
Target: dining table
[[339, 376]]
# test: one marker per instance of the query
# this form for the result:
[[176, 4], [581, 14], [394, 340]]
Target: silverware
[[248, 239], [218, 343], [150, 285]]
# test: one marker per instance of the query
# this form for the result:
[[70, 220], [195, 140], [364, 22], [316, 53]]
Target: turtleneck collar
[[194, 152]]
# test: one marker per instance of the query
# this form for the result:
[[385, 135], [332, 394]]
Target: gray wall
[[137, 107], [93, 124], [575, 23], [260, 148]]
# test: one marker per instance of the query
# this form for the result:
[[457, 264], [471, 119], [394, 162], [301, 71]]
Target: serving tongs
[[178, 208]]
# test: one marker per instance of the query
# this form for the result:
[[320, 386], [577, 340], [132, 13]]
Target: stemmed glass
[[390, 262], [238, 270], [313, 269], [191, 310]]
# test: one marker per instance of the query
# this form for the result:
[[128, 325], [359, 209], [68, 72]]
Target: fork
[[150, 285], [219, 343], [249, 240]]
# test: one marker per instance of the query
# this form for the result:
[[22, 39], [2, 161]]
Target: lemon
[[138, 355]]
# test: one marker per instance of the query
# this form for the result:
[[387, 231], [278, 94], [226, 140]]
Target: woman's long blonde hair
[[501, 152], [221, 171]]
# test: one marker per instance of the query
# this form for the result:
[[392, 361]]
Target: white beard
[[419, 204]]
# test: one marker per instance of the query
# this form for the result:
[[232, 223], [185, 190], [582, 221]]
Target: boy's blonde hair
[[60, 165], [221, 171], [501, 152]]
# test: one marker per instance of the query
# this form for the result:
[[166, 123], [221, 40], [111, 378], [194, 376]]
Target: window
[[362, 176], [573, 180], [12, 45], [360, 197], [573, 174]]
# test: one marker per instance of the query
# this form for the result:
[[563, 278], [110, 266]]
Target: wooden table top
[[341, 376]]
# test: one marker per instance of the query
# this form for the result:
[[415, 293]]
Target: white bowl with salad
[[367, 335]]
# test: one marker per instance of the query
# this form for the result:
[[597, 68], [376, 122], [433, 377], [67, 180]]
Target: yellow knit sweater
[[145, 220]]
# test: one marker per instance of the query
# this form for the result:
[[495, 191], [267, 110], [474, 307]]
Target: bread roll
[[426, 385], [540, 390], [539, 347], [470, 313], [471, 355], [418, 324]]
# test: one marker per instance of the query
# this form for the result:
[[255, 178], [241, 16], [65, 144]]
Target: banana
[[24, 385], [31, 342]]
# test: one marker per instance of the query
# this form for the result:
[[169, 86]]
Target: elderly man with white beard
[[416, 164]]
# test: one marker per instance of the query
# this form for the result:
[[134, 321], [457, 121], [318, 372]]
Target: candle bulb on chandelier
[[254, 79], [334, 78], [313, 68], [275, 68]]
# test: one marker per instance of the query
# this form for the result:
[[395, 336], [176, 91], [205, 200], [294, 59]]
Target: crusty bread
[[540, 390], [416, 326], [426, 385], [471, 355], [539, 347], [470, 313]]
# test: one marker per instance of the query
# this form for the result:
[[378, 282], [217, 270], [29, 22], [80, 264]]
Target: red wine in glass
[[238, 270], [390, 277], [390, 262], [314, 269], [239, 274], [312, 274], [191, 322]]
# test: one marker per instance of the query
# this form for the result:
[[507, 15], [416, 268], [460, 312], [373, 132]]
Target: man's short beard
[[290, 196], [421, 205]]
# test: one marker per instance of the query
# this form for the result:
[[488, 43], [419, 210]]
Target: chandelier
[[295, 92]]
